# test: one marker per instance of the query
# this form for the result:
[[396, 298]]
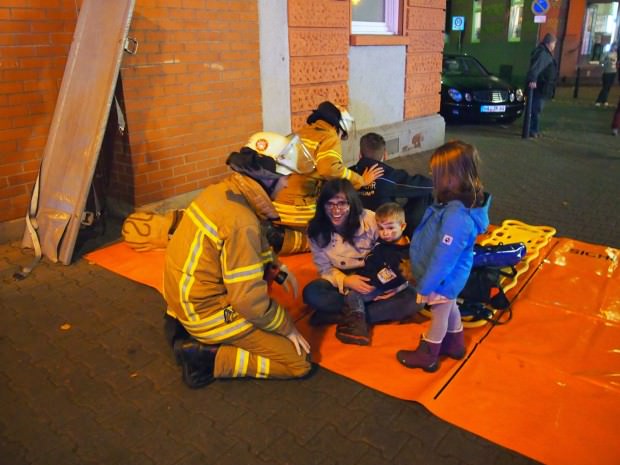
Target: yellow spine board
[[535, 239]]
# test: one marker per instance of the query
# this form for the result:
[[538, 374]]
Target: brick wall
[[319, 47], [319, 44], [34, 44], [423, 24], [191, 94]]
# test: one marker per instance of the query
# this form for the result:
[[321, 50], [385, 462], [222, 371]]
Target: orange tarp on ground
[[545, 384], [143, 267], [548, 383]]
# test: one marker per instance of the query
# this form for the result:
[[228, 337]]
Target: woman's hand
[[358, 283], [372, 173], [298, 341]]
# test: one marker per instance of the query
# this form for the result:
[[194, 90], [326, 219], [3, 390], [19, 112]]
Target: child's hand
[[358, 283], [432, 298], [386, 295]]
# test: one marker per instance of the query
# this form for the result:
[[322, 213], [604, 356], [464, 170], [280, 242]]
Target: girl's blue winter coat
[[442, 246]]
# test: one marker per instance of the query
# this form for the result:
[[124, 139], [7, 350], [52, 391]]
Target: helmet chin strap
[[268, 184], [266, 180]]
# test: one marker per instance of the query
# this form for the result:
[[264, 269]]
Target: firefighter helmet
[[335, 115], [289, 153]]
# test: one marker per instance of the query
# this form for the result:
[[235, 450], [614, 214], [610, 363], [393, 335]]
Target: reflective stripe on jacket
[[300, 194], [213, 275]]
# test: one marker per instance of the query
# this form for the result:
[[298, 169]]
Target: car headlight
[[455, 95], [468, 96], [511, 97], [519, 94]]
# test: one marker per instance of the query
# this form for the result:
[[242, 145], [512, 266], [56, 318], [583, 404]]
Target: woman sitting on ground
[[342, 233]]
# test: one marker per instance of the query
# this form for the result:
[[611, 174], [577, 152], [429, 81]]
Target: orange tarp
[[143, 267], [545, 384]]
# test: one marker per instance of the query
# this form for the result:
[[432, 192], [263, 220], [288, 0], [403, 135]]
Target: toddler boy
[[386, 267]]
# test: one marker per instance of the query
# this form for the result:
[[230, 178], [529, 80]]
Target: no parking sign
[[458, 23], [540, 7]]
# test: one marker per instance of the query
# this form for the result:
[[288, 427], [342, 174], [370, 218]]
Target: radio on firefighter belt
[[279, 273]]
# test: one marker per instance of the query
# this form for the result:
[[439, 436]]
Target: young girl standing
[[441, 251]]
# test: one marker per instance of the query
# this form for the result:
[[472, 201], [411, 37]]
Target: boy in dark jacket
[[394, 184], [387, 269]]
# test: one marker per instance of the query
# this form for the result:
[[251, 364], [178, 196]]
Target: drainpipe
[[563, 36]]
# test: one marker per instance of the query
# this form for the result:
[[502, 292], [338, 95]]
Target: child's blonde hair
[[454, 168], [390, 211]]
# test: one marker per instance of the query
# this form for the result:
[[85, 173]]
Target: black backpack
[[483, 292]]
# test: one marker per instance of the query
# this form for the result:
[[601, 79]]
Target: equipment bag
[[499, 256], [145, 231], [483, 286]]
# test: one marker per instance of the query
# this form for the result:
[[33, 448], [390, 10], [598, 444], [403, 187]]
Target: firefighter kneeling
[[220, 319]]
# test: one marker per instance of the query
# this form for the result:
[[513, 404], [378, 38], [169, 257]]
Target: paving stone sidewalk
[[85, 376]]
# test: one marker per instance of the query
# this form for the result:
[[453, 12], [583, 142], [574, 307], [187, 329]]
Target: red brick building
[[207, 74]]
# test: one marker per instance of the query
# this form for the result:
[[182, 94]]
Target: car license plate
[[492, 108]]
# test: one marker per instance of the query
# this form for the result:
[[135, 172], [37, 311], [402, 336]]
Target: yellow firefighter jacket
[[213, 275], [296, 203]]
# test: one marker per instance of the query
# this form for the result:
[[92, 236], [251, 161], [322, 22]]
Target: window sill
[[371, 39]]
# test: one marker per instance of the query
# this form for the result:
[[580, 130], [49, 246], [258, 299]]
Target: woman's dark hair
[[320, 228]]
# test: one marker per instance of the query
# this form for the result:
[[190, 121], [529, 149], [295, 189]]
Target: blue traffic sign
[[458, 23], [540, 7]]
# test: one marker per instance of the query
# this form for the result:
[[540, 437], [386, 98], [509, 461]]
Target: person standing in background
[[609, 64], [541, 78]]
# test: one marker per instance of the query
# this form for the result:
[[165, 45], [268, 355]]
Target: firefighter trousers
[[260, 354]]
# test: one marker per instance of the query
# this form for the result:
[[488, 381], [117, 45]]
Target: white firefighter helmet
[[346, 123], [289, 153]]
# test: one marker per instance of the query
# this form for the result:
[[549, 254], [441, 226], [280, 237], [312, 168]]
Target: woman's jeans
[[322, 297]]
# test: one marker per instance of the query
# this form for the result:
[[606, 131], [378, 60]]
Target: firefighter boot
[[197, 361], [353, 329], [453, 345], [174, 330], [426, 356]]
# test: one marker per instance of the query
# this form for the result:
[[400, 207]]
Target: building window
[[600, 29], [476, 22], [374, 17], [514, 23]]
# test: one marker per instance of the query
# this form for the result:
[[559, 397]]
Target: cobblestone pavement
[[85, 376]]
